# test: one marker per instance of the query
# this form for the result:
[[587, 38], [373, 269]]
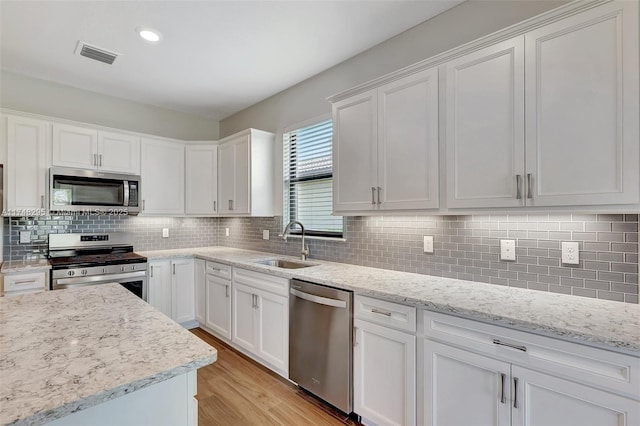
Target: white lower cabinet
[[201, 291], [384, 362], [218, 309], [261, 317], [21, 283], [171, 289]]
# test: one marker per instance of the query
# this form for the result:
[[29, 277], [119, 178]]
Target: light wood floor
[[236, 390]]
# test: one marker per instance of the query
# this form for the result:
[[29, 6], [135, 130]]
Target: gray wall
[[462, 24], [22, 93]]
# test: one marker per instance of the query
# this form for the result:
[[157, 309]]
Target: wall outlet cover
[[226, 231], [165, 232], [265, 234], [25, 237], [507, 249], [428, 243], [570, 252]]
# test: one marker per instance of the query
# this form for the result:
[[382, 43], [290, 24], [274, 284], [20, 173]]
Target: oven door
[[135, 282]]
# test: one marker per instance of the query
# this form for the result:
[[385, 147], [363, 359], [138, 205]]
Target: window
[[308, 180]]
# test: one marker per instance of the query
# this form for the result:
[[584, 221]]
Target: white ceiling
[[216, 58]]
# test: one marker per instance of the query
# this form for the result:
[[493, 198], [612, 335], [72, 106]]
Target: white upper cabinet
[[162, 177], [386, 146], [26, 166], [582, 108], [485, 126], [245, 164], [201, 185], [84, 148]]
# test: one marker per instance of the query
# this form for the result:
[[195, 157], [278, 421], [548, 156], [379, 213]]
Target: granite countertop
[[595, 322], [25, 266], [64, 351]]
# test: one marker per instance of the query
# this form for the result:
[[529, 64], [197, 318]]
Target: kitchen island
[[95, 355]]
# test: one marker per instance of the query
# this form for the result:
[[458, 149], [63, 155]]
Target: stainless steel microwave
[[91, 192]]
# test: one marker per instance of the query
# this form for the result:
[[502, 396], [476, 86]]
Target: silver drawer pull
[[516, 404], [518, 186], [510, 345], [373, 195], [25, 282], [503, 378], [378, 311]]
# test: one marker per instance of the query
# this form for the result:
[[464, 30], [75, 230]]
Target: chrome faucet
[[305, 250]]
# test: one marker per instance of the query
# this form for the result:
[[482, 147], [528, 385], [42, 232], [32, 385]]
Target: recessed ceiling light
[[148, 34]]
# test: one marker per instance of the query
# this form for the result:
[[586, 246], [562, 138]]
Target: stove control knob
[[122, 268], [133, 268], [84, 272], [71, 273]]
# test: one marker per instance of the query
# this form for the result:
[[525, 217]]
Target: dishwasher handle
[[319, 299]]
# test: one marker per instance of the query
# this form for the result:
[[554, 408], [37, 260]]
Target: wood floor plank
[[236, 390]]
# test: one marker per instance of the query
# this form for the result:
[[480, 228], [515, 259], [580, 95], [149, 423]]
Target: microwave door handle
[[126, 193]]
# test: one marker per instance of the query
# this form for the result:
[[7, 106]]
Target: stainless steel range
[[91, 259]]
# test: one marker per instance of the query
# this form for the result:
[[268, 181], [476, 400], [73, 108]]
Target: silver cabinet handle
[[373, 195], [518, 185], [174, 269], [100, 160], [253, 301], [379, 191], [151, 275], [378, 311], [24, 282], [257, 306], [529, 189], [355, 336], [143, 205], [230, 204], [503, 378], [516, 404], [509, 345], [95, 159], [226, 291], [42, 201], [215, 207]]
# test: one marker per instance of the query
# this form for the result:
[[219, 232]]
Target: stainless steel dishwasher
[[321, 342]]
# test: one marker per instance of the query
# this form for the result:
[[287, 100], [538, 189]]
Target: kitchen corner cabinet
[[162, 185], [385, 147], [245, 174], [548, 118], [384, 362], [171, 288], [201, 180], [261, 317], [26, 166], [218, 299], [85, 148]]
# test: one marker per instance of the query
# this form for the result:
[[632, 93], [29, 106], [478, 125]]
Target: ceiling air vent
[[96, 53]]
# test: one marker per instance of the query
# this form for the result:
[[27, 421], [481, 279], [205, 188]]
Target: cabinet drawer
[[385, 313], [219, 269], [24, 282], [598, 367], [270, 283]]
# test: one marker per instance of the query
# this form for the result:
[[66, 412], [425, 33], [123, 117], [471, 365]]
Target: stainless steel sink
[[285, 264]]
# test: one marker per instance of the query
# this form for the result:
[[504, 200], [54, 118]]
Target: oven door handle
[[99, 278]]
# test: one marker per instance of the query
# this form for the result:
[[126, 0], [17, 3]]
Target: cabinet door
[[201, 186], [219, 305], [484, 140], [582, 108], [384, 372], [200, 275], [546, 400], [226, 173], [408, 142], [355, 153], [183, 291], [273, 329], [244, 328], [463, 388], [26, 166], [159, 291], [75, 147], [242, 175], [162, 177], [118, 153]]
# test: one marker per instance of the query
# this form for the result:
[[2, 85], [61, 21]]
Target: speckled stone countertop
[[595, 322], [64, 351], [25, 266]]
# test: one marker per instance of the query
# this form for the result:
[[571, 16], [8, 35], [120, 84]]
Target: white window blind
[[308, 178]]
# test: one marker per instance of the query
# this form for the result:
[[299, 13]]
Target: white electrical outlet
[[570, 253], [226, 231], [428, 243], [507, 249], [265, 234], [25, 237], [165, 232]]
